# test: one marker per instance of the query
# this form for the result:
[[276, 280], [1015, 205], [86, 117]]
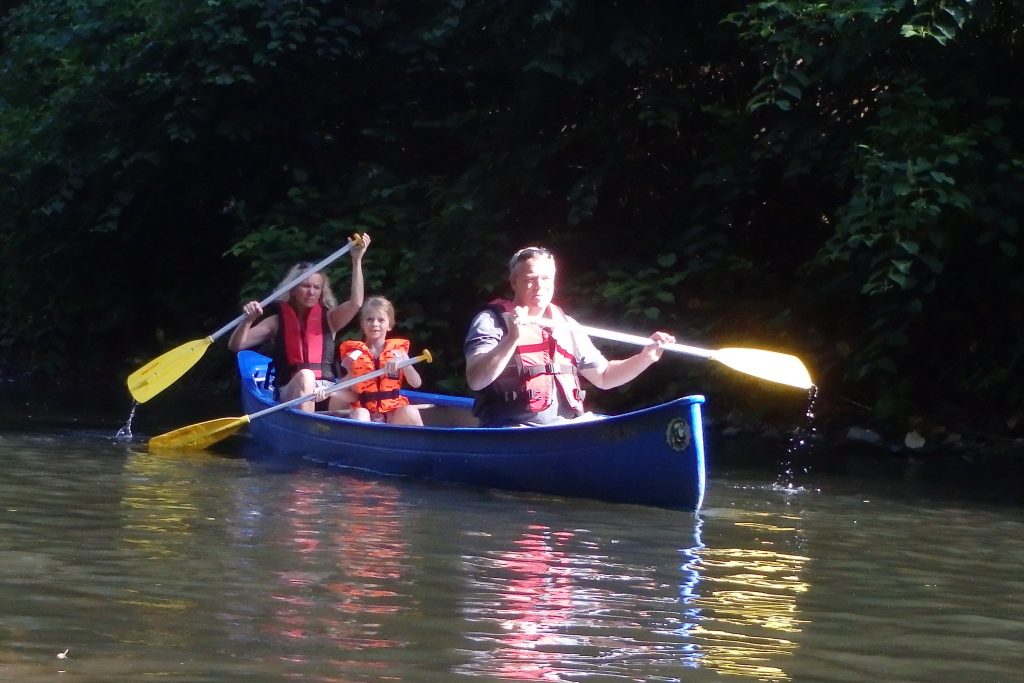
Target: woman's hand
[[359, 249], [252, 310]]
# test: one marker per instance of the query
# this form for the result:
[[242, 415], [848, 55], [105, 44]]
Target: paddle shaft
[[770, 365], [338, 386], [626, 338], [316, 267]]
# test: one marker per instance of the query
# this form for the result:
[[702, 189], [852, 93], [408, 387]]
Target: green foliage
[[916, 149], [840, 180]]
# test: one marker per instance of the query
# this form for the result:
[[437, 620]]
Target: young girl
[[377, 399]]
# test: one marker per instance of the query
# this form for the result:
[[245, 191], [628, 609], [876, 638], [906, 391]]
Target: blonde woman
[[302, 325]]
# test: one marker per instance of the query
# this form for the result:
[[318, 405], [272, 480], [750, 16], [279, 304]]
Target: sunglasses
[[527, 253]]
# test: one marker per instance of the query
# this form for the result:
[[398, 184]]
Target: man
[[525, 374]]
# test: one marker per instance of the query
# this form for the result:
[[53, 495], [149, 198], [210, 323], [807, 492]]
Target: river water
[[118, 564]]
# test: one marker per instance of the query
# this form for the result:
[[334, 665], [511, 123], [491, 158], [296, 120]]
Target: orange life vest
[[544, 359], [303, 348], [379, 394]]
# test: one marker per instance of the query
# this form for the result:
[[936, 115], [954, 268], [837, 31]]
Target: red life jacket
[[378, 394], [545, 358], [298, 348]]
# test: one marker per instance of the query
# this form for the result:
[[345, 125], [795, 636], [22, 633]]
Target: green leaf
[[909, 246]]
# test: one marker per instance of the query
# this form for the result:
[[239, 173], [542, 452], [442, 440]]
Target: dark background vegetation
[[841, 181]]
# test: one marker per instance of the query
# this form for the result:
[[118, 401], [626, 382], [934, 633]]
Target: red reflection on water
[[369, 546], [538, 603], [348, 554]]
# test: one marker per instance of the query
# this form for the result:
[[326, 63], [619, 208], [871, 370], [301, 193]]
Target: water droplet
[[801, 442], [125, 432]]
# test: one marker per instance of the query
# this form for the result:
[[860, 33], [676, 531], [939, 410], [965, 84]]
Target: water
[[210, 568], [124, 434]]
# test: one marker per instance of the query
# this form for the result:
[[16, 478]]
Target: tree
[[838, 180]]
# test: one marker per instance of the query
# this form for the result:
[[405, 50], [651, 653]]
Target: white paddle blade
[[769, 365]]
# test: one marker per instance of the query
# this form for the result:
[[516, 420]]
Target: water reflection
[[358, 537], [185, 569], [331, 562], [159, 505], [302, 563], [535, 601], [742, 602], [557, 603], [160, 512]]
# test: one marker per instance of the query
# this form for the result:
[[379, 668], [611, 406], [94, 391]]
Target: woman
[[302, 326]]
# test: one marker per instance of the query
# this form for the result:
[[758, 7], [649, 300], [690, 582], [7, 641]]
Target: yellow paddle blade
[[199, 436], [769, 365], [162, 372]]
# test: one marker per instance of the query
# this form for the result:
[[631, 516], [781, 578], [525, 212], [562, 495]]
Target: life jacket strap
[[370, 396], [548, 369], [514, 396], [326, 369]]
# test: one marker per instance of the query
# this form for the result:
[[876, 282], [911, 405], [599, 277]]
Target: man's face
[[533, 283]]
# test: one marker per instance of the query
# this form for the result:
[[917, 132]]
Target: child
[[377, 399]]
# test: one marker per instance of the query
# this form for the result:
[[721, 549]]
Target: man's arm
[[615, 373]]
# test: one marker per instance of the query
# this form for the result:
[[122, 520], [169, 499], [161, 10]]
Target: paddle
[[162, 372], [207, 433], [769, 365]]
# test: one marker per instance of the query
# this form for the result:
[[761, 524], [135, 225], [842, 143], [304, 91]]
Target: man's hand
[[655, 350]]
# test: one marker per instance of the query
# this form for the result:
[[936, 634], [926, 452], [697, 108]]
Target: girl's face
[[308, 293], [375, 324]]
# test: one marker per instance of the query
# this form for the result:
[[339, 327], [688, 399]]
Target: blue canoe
[[653, 456]]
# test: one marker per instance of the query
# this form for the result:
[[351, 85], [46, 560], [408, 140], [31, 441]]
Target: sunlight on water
[[159, 506], [552, 604], [161, 512], [743, 602]]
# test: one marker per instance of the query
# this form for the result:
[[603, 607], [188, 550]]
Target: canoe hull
[[653, 456]]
